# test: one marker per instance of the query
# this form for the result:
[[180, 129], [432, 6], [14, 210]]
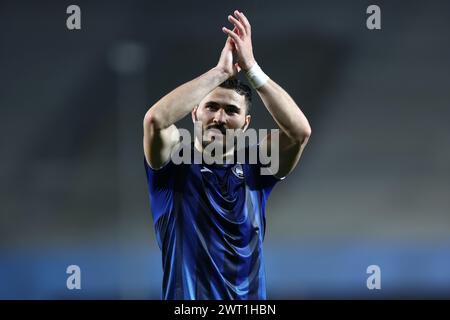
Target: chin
[[213, 137]]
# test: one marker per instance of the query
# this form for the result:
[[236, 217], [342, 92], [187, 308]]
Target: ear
[[248, 118], [194, 114]]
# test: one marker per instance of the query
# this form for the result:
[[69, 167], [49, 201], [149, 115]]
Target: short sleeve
[[257, 178], [161, 188]]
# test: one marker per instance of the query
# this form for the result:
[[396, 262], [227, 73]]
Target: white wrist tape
[[256, 76]]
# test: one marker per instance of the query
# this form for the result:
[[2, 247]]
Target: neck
[[199, 147]]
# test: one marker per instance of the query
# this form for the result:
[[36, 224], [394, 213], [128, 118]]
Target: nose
[[220, 117]]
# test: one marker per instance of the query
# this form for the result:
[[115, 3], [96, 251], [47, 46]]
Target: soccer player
[[209, 219]]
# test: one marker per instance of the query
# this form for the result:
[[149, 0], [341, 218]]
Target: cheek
[[237, 122], [203, 117]]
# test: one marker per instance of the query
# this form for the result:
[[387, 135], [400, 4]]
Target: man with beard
[[210, 218]]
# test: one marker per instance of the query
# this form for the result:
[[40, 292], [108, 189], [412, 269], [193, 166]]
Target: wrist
[[256, 76], [221, 73], [247, 66]]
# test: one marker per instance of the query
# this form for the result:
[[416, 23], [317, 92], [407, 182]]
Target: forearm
[[181, 101], [285, 111]]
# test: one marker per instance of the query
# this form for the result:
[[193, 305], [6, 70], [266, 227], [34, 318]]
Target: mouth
[[220, 130]]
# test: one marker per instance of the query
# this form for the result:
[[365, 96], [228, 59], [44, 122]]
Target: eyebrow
[[229, 106]]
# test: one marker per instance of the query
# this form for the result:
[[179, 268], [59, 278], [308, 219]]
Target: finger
[[238, 25], [232, 35], [228, 45], [236, 30], [231, 43], [244, 20]]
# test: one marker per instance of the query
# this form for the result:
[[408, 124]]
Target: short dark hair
[[241, 88]]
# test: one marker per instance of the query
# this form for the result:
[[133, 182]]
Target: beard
[[217, 134], [215, 137], [214, 133]]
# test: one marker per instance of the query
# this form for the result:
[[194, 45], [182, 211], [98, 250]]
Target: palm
[[226, 61]]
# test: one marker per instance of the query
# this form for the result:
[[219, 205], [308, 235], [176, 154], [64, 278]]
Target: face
[[221, 109]]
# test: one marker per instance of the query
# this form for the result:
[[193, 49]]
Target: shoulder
[[255, 169]]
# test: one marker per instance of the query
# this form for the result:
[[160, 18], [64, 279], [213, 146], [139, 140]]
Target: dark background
[[372, 186]]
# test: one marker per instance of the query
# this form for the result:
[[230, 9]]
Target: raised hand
[[241, 39], [226, 61]]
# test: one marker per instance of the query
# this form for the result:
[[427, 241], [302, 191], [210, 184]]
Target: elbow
[[302, 135], [305, 138], [307, 132], [151, 120]]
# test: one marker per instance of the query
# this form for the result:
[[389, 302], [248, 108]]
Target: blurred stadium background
[[372, 187]]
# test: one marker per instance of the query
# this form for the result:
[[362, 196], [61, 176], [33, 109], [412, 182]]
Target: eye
[[232, 110], [211, 107]]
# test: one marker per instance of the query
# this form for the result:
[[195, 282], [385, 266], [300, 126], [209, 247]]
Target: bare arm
[[160, 132], [295, 128]]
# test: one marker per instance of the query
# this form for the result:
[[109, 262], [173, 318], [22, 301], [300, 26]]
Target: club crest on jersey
[[238, 171]]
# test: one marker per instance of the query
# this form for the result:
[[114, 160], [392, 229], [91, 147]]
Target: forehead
[[225, 96]]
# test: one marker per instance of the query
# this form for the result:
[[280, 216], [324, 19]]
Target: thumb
[[237, 67], [229, 43]]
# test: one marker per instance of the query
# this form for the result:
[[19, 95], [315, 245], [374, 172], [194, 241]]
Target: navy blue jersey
[[210, 222]]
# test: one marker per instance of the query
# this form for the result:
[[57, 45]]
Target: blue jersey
[[210, 223]]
